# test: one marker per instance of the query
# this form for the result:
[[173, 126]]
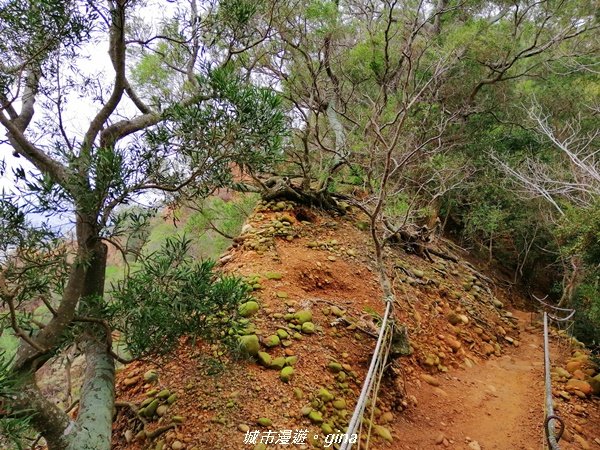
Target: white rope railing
[[373, 378], [551, 418]]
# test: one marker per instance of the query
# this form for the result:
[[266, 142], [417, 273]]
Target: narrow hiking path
[[497, 404]]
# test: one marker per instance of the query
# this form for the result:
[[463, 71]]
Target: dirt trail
[[497, 404]]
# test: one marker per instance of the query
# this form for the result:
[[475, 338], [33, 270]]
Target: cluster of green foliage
[[16, 423], [170, 296]]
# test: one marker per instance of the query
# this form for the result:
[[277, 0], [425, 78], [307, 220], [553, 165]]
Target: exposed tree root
[[282, 188]]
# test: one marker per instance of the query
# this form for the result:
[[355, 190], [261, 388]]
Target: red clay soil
[[490, 391]]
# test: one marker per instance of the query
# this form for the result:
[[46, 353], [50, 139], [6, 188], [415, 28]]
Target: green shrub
[[172, 296]]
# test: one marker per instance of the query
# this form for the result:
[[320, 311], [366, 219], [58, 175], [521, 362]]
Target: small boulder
[[325, 395], [315, 416], [454, 318], [303, 316], [151, 376], [286, 374], [340, 403], [383, 432], [265, 359], [573, 365], [308, 328], [291, 360], [278, 363], [272, 341], [264, 422], [430, 380], [578, 385], [248, 309], [249, 344], [335, 367]]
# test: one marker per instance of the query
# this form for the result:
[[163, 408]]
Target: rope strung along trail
[[373, 378], [550, 417]]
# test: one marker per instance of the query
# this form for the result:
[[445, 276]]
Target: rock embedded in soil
[[303, 316], [272, 341], [265, 359], [165, 393], [325, 395], [454, 318], [286, 374], [282, 334], [308, 327], [305, 411], [291, 360], [273, 276], [131, 381], [336, 311], [150, 376], [334, 367], [248, 309], [386, 417], [574, 385], [315, 416], [430, 380], [128, 435], [339, 404], [277, 363], [161, 410], [249, 344], [383, 432], [151, 408], [264, 422]]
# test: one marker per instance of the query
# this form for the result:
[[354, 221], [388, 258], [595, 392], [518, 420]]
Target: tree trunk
[[94, 421]]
